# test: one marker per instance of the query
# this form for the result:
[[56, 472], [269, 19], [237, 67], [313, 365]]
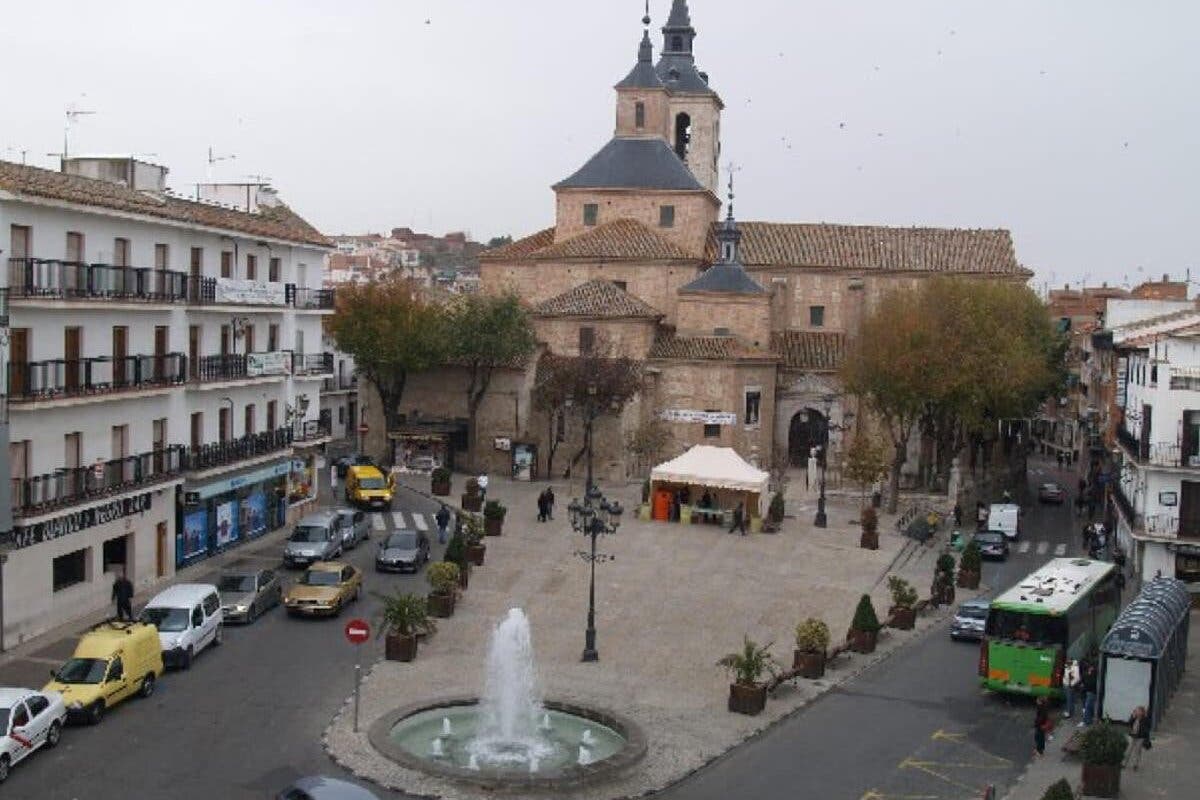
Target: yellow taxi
[[324, 589], [367, 486], [112, 662]]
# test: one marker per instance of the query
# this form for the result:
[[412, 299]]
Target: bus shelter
[[1143, 656]]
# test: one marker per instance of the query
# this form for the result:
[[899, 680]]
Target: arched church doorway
[[809, 429]]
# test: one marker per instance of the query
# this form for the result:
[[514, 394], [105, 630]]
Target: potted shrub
[[1061, 790], [776, 509], [456, 552], [869, 519], [812, 644], [405, 617], [472, 533], [493, 517], [942, 590], [472, 499], [1102, 750], [747, 695], [864, 628], [439, 482], [904, 599], [970, 566], [443, 578]]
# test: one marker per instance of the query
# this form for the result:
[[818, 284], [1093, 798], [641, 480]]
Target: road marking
[[419, 521], [927, 768], [1023, 547], [398, 519], [1060, 549], [947, 735], [875, 794], [1042, 548], [377, 522]]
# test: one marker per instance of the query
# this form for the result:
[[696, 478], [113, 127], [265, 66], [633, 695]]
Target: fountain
[[510, 733]]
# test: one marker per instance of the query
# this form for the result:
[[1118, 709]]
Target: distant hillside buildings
[[449, 262]]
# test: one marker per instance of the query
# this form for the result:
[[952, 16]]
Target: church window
[[683, 135], [587, 340], [639, 115], [677, 43], [816, 316], [753, 402], [591, 212], [666, 216], [620, 285], [727, 251]]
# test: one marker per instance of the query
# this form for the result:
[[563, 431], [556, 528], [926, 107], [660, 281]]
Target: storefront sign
[[28, 535], [238, 481], [276, 363], [232, 290], [1122, 378], [706, 417], [503, 443]]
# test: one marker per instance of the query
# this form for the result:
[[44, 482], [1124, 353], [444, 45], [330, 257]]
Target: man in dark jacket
[[1088, 679], [549, 502], [442, 518], [739, 520], [122, 594]]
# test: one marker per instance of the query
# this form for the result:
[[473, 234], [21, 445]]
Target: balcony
[[312, 299], [75, 280], [204, 291], [220, 454], [69, 486], [234, 366], [91, 377], [3, 306], [1155, 454], [313, 429], [342, 383], [312, 363]]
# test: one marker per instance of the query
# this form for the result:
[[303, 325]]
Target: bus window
[[1024, 627]]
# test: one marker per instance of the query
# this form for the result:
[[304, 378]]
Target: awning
[[718, 467]]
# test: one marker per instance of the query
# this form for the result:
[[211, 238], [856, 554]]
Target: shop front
[[219, 514], [305, 472], [421, 447]]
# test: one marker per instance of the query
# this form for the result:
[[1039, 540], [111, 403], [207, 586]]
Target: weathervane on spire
[[646, 19], [732, 169]]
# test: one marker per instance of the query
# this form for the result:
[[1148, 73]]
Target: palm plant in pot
[[439, 482], [472, 533], [864, 628], [970, 566], [869, 519], [1102, 751], [405, 617], [747, 694], [493, 517], [812, 644], [903, 612], [472, 499], [443, 579]]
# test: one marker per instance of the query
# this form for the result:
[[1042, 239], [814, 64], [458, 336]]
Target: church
[[740, 326]]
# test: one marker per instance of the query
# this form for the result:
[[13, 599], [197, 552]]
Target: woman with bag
[[1139, 737]]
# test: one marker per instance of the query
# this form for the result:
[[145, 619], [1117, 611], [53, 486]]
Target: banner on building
[[275, 363], [706, 417], [1122, 366], [227, 528], [28, 535], [233, 290]]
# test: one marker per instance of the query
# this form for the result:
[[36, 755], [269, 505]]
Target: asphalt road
[[241, 724], [914, 726]]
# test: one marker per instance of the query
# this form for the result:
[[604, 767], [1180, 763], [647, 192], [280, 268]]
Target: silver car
[[356, 527], [316, 537], [402, 551], [247, 594], [970, 620], [318, 787]]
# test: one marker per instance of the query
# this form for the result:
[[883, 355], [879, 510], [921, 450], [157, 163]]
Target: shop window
[[70, 569], [591, 213], [753, 401], [712, 431], [114, 553], [816, 316]]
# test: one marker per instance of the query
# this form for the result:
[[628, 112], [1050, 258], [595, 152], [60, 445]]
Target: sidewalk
[[1169, 769]]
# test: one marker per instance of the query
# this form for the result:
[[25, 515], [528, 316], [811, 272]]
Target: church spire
[[729, 237], [643, 74], [678, 33]]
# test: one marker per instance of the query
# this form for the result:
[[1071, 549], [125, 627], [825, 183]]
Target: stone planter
[[862, 641], [475, 554], [1101, 780], [493, 527], [441, 605], [440, 488], [904, 619], [399, 648], [869, 540], [472, 502], [809, 664], [747, 699], [967, 579]]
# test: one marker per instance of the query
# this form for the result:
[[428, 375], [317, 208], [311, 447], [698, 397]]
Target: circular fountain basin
[[572, 746]]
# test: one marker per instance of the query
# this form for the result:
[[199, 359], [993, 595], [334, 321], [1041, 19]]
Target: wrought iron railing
[[310, 429], [312, 363], [340, 383], [3, 306], [299, 297], [60, 377], [65, 487], [76, 280], [1158, 454], [219, 454]]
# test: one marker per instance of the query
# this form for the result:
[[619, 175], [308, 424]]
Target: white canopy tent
[[716, 467]]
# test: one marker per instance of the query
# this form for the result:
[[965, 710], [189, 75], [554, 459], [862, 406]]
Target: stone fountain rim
[[569, 777]]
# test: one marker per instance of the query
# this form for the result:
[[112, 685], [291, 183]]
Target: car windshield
[[236, 583], [166, 619], [402, 541], [320, 577], [371, 483], [973, 612], [308, 533], [82, 670], [990, 538]]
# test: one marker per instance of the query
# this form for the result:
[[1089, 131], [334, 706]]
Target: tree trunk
[[481, 377], [552, 443], [894, 482], [390, 394]]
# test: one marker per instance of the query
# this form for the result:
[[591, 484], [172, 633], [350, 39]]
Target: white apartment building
[[339, 395], [1156, 476], [163, 369]]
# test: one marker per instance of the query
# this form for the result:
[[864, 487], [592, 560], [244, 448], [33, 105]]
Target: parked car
[[356, 527], [247, 594], [1051, 493], [992, 544], [318, 787], [970, 619], [112, 662], [316, 537], [368, 487], [402, 551], [188, 617], [325, 589], [28, 720]]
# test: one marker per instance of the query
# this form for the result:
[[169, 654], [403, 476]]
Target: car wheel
[[96, 712], [252, 613], [54, 735], [4, 764], [147, 687], [187, 658], [219, 636]]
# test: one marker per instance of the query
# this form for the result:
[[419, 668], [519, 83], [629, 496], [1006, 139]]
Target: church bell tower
[[693, 107]]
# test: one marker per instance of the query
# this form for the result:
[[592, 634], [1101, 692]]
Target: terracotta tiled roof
[[596, 298], [703, 348], [873, 248], [621, 239], [521, 248], [279, 222], [810, 350]]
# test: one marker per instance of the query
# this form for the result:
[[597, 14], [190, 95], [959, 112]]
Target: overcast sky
[[1074, 124]]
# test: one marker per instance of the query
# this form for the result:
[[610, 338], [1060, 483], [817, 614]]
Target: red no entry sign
[[357, 631], [363, 428]]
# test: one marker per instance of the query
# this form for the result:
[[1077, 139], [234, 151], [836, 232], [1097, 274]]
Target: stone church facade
[[741, 326]]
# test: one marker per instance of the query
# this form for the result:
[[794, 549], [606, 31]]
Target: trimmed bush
[[492, 509], [442, 577], [776, 510], [1103, 744], [865, 618], [1059, 791], [972, 558], [945, 564], [903, 594], [812, 636], [439, 475]]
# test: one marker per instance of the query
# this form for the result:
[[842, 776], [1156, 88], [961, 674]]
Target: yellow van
[[367, 486], [113, 661]]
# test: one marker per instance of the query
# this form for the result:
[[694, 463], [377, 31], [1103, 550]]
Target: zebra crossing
[[1041, 548], [400, 520]]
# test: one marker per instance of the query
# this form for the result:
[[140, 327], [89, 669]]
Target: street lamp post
[[591, 517]]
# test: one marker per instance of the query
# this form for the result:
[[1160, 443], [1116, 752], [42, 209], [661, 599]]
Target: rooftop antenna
[[73, 114], [213, 159]]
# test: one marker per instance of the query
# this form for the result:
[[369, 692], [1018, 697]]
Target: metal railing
[[54, 378], [340, 383], [299, 297], [310, 429], [219, 454], [236, 366], [1157, 454], [71, 485], [312, 363], [76, 280], [3, 306], [1161, 524]]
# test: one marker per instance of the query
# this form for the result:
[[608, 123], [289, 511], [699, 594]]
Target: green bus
[[1060, 611]]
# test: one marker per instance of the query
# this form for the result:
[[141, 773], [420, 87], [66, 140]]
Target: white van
[[1005, 518], [188, 617]]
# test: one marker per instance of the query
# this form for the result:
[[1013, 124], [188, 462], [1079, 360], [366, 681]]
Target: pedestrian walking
[[1070, 683], [541, 505], [333, 478], [549, 502], [1087, 678], [739, 520], [957, 515], [122, 594], [981, 516], [442, 518], [1082, 486], [483, 483], [1139, 737], [1041, 726]]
